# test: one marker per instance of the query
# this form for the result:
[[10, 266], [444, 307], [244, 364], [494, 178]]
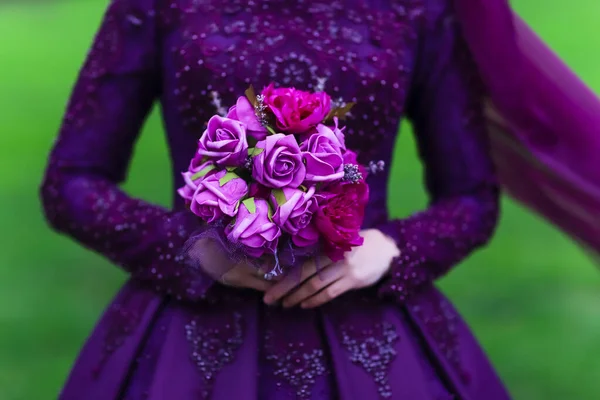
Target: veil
[[544, 123]]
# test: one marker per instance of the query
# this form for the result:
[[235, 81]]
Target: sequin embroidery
[[213, 347], [298, 365], [372, 349]]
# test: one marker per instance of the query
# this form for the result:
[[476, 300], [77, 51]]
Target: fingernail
[[267, 299]]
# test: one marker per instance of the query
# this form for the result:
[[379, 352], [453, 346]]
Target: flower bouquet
[[273, 179]]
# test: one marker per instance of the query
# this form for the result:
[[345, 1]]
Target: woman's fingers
[[314, 285], [245, 276], [332, 291], [292, 280], [259, 284]]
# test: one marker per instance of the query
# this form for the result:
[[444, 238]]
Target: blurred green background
[[532, 297]]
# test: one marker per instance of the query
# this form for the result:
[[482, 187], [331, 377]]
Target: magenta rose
[[340, 218], [323, 156], [279, 162], [191, 178], [296, 111], [258, 190], [218, 194], [294, 211], [253, 228], [224, 142], [350, 157], [243, 111]]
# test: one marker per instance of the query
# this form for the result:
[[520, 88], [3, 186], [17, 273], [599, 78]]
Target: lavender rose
[[294, 210], [279, 162], [196, 173], [323, 156], [217, 195], [243, 111], [224, 141], [339, 134], [253, 228]]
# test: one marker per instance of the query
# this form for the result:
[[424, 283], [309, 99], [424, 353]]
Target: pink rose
[[323, 156], [243, 111], [340, 218], [224, 141], [296, 111], [294, 211], [196, 173], [253, 228], [217, 195], [279, 163]]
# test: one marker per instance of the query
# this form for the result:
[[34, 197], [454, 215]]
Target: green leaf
[[339, 112], [231, 169], [251, 95], [202, 172], [271, 130], [270, 212], [279, 196], [227, 177], [254, 151], [303, 188], [250, 205]]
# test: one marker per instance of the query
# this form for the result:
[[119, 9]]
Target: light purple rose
[[323, 156], [224, 142], [279, 162], [294, 210], [253, 228], [196, 173], [217, 195], [243, 111], [339, 134]]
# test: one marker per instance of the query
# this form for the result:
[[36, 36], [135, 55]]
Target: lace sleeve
[[81, 198], [446, 111]]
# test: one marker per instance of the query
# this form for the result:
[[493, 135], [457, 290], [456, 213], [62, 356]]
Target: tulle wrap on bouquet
[[209, 250]]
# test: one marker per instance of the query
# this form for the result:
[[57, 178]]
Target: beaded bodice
[[343, 47]]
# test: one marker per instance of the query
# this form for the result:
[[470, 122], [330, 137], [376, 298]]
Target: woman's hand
[[362, 267], [209, 255], [244, 275]]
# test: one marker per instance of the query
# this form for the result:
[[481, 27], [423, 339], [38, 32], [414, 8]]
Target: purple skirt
[[232, 346]]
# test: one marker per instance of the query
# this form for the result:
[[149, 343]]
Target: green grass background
[[532, 297]]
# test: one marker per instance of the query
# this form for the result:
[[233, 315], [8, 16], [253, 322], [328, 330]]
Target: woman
[[374, 326]]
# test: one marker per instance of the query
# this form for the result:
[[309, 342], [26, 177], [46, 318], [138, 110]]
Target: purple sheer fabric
[[544, 123]]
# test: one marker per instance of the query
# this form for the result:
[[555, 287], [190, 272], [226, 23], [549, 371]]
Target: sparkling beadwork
[[298, 365], [213, 347], [303, 44], [441, 324], [373, 349], [375, 167]]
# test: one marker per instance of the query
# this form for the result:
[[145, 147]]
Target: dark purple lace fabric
[[390, 58]]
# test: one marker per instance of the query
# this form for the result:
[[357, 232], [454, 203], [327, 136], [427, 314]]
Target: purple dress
[[172, 332]]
